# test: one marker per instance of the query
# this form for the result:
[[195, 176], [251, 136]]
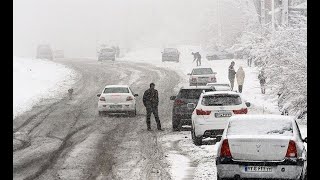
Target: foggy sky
[[77, 26]]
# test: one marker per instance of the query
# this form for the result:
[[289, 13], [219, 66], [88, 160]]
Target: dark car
[[184, 104], [44, 51], [170, 54], [107, 54]]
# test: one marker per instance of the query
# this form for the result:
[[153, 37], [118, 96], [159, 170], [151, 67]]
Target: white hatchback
[[263, 147], [117, 99], [212, 112]]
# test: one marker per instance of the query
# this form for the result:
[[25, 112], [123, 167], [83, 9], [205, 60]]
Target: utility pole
[[262, 13], [272, 15], [219, 24], [284, 12]]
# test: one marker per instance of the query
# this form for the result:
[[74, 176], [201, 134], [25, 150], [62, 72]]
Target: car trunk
[[116, 97], [258, 148]]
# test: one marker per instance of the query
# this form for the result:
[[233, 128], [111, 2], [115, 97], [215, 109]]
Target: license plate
[[257, 169], [224, 114], [115, 106]]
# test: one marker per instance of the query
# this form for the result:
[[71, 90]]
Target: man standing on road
[[197, 57], [262, 79], [151, 101], [231, 74]]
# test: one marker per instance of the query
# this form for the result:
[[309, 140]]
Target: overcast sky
[[76, 26]]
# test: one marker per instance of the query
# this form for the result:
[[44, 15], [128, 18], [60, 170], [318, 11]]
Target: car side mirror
[[172, 97], [98, 95], [305, 140], [135, 95], [248, 104]]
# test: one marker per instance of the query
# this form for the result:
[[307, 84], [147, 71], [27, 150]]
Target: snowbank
[[35, 80]]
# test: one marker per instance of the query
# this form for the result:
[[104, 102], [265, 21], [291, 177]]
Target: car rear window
[[170, 50], [260, 127], [202, 71], [191, 93], [116, 90], [221, 100], [107, 50]]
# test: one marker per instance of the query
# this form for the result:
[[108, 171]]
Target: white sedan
[[212, 112], [263, 147], [117, 99]]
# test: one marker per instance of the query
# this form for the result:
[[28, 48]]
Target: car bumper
[[287, 169], [107, 107], [185, 118], [211, 129]]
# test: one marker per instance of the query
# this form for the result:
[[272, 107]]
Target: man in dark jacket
[[231, 74], [197, 57], [151, 101]]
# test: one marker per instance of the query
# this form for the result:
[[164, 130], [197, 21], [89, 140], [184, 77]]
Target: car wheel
[[132, 113], [196, 140], [100, 113], [175, 124]]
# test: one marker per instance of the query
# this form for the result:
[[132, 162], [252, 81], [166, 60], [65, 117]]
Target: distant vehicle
[[200, 76], [262, 147], [58, 54], [184, 104], [218, 55], [107, 54], [212, 113], [117, 99], [44, 51], [170, 54], [220, 86]]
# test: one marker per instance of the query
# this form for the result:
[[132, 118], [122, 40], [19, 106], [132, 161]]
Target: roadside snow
[[35, 80]]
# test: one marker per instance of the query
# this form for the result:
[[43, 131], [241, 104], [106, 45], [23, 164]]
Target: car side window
[[131, 91]]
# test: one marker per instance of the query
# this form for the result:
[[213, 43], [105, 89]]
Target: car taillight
[[129, 98], [292, 150], [102, 99], [241, 111], [225, 149], [202, 112], [179, 102]]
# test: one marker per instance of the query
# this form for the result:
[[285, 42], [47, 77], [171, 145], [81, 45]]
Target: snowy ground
[[36, 80], [203, 156]]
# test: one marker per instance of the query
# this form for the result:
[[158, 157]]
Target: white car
[[117, 99], [220, 86], [263, 147], [200, 76], [212, 112]]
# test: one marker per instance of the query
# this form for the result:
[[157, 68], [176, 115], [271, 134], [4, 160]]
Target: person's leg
[[231, 83], [148, 117], [156, 117], [240, 88]]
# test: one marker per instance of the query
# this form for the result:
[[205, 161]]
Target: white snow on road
[[35, 80]]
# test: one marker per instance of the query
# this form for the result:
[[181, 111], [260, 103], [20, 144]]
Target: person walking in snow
[[151, 101], [197, 57], [231, 74], [249, 61], [262, 78], [240, 75]]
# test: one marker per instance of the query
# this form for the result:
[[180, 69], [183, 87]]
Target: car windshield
[[260, 127], [170, 50], [221, 100], [191, 93], [200, 71], [107, 50], [116, 90]]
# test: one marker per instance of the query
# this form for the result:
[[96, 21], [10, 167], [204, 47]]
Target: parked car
[[170, 54], [44, 51], [262, 146], [212, 112], [117, 99], [218, 55], [58, 54], [107, 54], [220, 86], [184, 104], [200, 76]]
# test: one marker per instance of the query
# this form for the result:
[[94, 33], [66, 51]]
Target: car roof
[[212, 84], [108, 86], [263, 117], [202, 67], [196, 87], [220, 92]]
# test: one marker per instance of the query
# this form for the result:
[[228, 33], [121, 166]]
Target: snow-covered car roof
[[108, 86], [201, 67], [220, 92], [196, 87], [213, 84], [262, 117]]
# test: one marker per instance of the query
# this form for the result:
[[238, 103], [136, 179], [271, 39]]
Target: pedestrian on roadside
[[262, 78], [151, 101], [249, 61], [197, 57], [240, 75], [231, 74], [70, 91]]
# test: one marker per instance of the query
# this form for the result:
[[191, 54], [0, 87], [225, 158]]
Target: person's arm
[[157, 97], [144, 98]]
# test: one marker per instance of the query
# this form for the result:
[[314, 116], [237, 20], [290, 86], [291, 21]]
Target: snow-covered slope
[[35, 79]]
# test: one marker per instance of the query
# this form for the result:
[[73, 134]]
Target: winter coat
[[240, 76], [232, 73], [262, 79], [150, 98]]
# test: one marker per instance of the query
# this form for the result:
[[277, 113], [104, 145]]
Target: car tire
[[132, 113], [196, 140], [101, 113], [175, 124]]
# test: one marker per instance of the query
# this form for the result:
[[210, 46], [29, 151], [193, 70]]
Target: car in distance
[[117, 99], [107, 54], [170, 54], [263, 147], [200, 76], [44, 51], [58, 54], [219, 55], [220, 86], [184, 104], [212, 112]]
